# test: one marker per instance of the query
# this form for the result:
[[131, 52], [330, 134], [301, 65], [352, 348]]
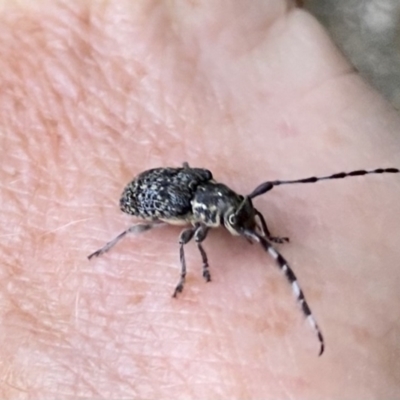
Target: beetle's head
[[240, 217]]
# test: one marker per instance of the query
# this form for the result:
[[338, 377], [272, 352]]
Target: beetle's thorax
[[215, 204]]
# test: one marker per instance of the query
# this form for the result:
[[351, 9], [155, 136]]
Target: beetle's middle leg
[[184, 238], [265, 231], [199, 235]]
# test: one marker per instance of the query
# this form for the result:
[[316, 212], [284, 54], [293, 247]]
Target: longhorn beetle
[[190, 196]]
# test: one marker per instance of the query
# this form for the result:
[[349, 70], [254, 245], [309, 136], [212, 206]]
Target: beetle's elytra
[[190, 196]]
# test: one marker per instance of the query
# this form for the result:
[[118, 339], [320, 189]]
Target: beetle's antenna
[[266, 186], [291, 277]]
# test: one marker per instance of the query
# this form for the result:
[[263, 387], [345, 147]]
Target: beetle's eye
[[232, 219]]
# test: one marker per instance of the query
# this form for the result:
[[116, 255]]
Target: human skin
[[94, 93]]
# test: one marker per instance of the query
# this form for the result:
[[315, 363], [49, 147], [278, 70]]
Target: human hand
[[94, 94]]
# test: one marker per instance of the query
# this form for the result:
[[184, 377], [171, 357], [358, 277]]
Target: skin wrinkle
[[74, 168]]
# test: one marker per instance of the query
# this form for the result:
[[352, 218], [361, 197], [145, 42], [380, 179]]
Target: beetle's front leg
[[266, 233]]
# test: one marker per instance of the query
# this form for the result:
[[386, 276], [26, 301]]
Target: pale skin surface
[[91, 96]]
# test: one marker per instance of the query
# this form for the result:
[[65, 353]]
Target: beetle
[[191, 196]]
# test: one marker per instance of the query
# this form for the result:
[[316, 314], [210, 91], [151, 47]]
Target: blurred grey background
[[368, 32]]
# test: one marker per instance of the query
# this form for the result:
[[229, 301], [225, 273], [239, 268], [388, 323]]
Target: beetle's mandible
[[190, 196]]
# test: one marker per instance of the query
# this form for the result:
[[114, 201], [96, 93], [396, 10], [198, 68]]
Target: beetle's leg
[[184, 238], [199, 236], [266, 233], [138, 228]]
